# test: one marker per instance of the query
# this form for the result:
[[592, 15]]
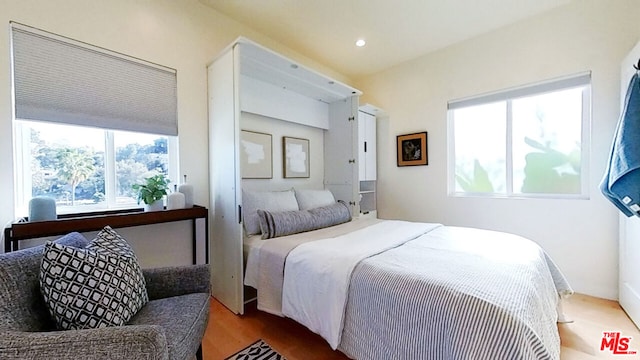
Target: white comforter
[[317, 274]]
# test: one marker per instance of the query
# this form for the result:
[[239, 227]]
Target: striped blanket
[[444, 293]]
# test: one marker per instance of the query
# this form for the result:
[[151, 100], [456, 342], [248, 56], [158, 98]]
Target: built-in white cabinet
[[367, 158], [367, 146], [249, 78]]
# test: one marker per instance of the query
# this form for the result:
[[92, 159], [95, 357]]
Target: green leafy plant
[[154, 189]]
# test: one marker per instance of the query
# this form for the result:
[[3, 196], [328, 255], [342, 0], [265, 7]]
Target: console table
[[23, 229]]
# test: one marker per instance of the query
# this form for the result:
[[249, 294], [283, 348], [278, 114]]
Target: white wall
[[183, 34], [581, 235], [278, 129]]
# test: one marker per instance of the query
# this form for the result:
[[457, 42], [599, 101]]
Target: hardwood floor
[[227, 333], [581, 339]]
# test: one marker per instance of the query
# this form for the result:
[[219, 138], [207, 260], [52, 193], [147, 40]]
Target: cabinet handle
[[352, 161], [239, 214], [365, 146]]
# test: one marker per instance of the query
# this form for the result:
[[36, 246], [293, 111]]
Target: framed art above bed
[[256, 161], [295, 157]]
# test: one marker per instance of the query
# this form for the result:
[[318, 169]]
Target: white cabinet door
[[629, 278], [225, 227], [340, 152], [367, 146]]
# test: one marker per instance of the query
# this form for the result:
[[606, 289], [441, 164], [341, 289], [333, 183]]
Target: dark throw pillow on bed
[[281, 223]]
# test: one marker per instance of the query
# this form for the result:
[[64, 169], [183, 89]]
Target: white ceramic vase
[[187, 190], [175, 200]]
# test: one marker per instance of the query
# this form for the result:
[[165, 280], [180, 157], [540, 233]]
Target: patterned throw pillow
[[98, 286]]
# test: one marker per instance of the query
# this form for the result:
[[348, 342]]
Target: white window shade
[[61, 80], [576, 80]]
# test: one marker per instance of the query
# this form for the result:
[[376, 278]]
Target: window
[[88, 122], [525, 142], [87, 169]]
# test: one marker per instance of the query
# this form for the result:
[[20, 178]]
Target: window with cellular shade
[[57, 79], [530, 141]]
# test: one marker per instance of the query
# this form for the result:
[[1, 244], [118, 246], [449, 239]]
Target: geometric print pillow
[[98, 286], [109, 241]]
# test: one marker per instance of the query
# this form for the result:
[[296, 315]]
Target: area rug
[[259, 350]]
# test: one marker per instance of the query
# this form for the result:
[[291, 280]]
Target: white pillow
[[252, 201], [311, 199]]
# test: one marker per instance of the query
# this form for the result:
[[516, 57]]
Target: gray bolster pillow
[[281, 223]]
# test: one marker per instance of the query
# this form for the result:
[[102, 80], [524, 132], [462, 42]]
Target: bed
[[389, 289]]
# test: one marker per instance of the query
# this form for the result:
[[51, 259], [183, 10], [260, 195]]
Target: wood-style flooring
[[227, 333]]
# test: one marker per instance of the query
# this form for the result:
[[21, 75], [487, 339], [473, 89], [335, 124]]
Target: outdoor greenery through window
[[525, 142], [89, 122], [86, 169]]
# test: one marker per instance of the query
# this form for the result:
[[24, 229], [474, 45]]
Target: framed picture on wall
[[295, 157], [412, 149], [256, 161]]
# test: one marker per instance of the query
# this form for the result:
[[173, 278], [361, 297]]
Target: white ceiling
[[395, 30]]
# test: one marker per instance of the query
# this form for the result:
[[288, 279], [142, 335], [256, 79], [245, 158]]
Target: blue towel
[[621, 182]]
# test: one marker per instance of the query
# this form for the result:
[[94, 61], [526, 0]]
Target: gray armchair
[[170, 326]]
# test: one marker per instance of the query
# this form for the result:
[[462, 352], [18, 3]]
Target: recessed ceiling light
[[360, 43]]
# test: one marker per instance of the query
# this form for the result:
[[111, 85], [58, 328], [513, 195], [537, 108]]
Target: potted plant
[[152, 192]]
